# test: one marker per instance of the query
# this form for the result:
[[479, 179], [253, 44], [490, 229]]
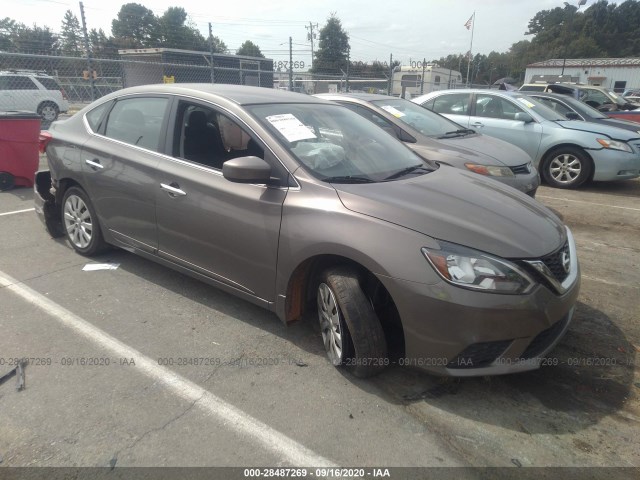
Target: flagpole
[[473, 26]]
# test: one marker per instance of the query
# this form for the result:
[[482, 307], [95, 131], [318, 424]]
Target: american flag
[[469, 22]]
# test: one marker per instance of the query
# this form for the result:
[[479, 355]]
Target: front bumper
[[457, 332], [525, 182], [615, 165]]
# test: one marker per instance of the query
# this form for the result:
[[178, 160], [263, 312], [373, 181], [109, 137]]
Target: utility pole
[[290, 64], [424, 64], [311, 37], [213, 73], [89, 55], [390, 83], [348, 64]]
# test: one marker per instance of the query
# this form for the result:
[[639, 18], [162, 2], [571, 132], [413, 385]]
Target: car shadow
[[589, 375], [621, 188]]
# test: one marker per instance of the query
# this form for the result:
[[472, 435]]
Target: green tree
[[101, 45], [249, 49], [7, 33], [333, 48], [135, 27], [36, 40], [70, 40], [176, 31]]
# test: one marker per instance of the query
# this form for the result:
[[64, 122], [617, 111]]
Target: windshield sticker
[[393, 111], [526, 102], [290, 127]]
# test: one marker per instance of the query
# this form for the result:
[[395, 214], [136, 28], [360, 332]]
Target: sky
[[409, 29]]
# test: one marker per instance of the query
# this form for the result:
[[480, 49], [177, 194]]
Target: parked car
[[437, 138], [295, 203], [603, 99], [576, 110], [566, 152], [32, 91]]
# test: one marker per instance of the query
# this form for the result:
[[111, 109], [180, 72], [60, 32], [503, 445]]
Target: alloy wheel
[[330, 325], [78, 222]]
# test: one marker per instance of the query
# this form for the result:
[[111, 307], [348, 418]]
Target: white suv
[[33, 91]]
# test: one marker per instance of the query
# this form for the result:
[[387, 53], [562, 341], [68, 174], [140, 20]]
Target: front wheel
[[568, 167], [351, 331], [81, 223], [48, 111]]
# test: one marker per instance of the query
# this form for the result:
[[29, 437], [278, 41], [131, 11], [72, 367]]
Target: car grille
[[519, 169], [544, 339], [554, 263], [479, 354]]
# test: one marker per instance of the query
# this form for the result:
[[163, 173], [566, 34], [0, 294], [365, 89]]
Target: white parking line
[[588, 203], [233, 418], [17, 211], [609, 282]]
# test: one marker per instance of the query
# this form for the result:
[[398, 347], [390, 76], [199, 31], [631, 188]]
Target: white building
[[617, 74]]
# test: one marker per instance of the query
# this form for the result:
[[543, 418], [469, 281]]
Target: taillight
[[44, 139], [64, 94]]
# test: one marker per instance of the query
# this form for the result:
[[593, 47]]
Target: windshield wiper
[[457, 133], [406, 171], [347, 179]]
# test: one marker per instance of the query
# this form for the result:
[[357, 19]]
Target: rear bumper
[[46, 208]]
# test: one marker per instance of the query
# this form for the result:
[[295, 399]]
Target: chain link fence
[[53, 85]]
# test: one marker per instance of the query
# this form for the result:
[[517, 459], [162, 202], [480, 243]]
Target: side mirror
[[246, 170], [523, 117], [572, 116]]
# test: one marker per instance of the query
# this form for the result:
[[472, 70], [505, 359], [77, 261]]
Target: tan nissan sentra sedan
[[295, 204]]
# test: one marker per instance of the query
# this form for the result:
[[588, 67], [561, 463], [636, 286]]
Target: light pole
[[566, 27]]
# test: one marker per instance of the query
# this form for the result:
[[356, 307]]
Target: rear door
[[119, 163], [494, 115], [7, 101], [226, 231]]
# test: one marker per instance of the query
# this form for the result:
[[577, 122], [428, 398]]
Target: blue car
[[567, 152]]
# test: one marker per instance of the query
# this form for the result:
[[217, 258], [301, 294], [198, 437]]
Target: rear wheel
[[7, 181], [81, 223], [351, 331], [48, 111], [568, 167]]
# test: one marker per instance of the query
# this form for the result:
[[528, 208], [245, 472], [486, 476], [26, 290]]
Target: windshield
[[584, 109], [533, 105], [337, 145], [423, 120]]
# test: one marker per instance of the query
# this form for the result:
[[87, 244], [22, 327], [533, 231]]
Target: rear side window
[[138, 121], [48, 83], [95, 116], [453, 104]]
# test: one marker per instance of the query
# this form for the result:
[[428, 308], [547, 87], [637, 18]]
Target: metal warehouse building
[[170, 65], [617, 74]]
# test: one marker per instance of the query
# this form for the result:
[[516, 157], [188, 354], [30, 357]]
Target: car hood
[[626, 124], [461, 207], [599, 128], [480, 149]]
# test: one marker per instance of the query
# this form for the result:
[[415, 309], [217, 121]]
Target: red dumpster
[[19, 158]]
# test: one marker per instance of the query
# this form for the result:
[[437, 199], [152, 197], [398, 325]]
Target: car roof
[[369, 97], [239, 94]]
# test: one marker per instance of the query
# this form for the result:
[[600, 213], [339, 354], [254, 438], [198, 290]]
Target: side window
[[48, 83], [454, 104], [596, 97], [20, 83], [137, 121], [495, 107], [94, 117], [207, 137], [372, 117], [555, 105]]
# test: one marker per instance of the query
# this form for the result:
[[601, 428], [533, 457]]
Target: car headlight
[[468, 268], [614, 144], [491, 170]]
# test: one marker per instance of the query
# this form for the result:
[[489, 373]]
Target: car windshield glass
[[423, 120], [619, 100], [584, 109], [542, 110], [338, 145]]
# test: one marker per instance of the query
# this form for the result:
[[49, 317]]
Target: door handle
[[94, 164], [173, 189]]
